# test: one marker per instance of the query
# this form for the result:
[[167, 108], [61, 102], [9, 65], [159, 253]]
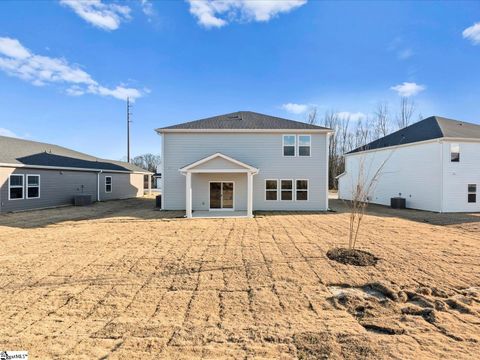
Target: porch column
[[149, 184], [249, 194], [188, 195]]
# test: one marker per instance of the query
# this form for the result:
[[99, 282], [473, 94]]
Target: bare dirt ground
[[120, 280]]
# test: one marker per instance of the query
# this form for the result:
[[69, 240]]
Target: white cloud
[[473, 33], [103, 16], [405, 54], [217, 13], [6, 132], [408, 89], [354, 116], [16, 60], [296, 108], [147, 8]]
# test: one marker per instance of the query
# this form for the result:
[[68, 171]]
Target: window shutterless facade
[[472, 193], [304, 145], [108, 184], [301, 190], [33, 186], [286, 192], [454, 152], [271, 189], [289, 145], [15, 187]]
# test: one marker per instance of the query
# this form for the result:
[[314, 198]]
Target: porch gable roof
[[229, 165]]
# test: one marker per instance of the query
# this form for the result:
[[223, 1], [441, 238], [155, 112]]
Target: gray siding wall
[[58, 187], [261, 150]]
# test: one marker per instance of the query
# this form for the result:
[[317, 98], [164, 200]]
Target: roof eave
[[320, 131]]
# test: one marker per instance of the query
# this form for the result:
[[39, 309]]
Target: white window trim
[[294, 146], [29, 186], [298, 145], [221, 200], [293, 189], [270, 190], [111, 184], [16, 186], [307, 190], [451, 152], [472, 193]]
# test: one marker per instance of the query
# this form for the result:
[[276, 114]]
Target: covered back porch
[[218, 186]]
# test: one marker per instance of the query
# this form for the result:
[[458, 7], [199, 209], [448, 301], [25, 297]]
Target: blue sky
[[65, 67]]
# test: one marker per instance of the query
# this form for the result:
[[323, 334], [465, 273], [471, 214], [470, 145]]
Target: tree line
[[350, 134]]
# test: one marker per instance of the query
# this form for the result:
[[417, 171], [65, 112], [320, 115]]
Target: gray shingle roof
[[26, 152], [242, 120], [433, 127]]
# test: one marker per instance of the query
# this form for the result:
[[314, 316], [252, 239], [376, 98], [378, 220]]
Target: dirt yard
[[120, 280]]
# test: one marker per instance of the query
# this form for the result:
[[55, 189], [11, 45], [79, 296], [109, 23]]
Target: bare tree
[[381, 120], [407, 109], [361, 195], [312, 116], [148, 162]]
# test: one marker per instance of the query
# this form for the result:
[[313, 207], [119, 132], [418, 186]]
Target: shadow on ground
[[137, 208]]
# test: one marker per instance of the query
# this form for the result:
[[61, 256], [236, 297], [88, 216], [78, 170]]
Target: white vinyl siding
[[260, 150]]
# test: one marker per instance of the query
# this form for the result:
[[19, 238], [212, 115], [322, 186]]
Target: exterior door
[[221, 195]]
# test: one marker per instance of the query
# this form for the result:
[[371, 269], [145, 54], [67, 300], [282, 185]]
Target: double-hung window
[[15, 187], [271, 189], [289, 144], [286, 187], [108, 184], [454, 153], [301, 190], [33, 186], [472, 193], [304, 145]]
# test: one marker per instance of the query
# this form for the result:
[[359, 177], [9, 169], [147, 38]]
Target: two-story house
[[234, 164], [434, 164]]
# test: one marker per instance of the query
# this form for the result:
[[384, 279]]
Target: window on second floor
[[289, 145], [472, 193], [454, 153], [304, 144]]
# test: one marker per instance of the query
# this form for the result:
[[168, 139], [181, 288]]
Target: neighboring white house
[[233, 164], [434, 164]]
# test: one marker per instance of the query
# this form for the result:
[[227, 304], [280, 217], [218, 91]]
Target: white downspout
[[98, 185]]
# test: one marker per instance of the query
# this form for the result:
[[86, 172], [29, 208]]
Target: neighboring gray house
[[36, 175], [434, 164], [233, 164]]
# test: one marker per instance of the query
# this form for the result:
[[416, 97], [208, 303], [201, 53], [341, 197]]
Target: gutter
[[71, 168]]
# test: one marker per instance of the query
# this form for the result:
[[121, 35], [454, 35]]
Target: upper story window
[[15, 187], [454, 153], [33, 186], [472, 193], [304, 144], [108, 184], [289, 145]]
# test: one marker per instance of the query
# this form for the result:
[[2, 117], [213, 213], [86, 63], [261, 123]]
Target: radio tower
[[128, 129]]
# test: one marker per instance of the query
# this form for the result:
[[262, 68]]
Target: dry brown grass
[[120, 280]]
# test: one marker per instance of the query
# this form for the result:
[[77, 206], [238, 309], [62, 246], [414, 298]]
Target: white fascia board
[[191, 167], [236, 131]]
